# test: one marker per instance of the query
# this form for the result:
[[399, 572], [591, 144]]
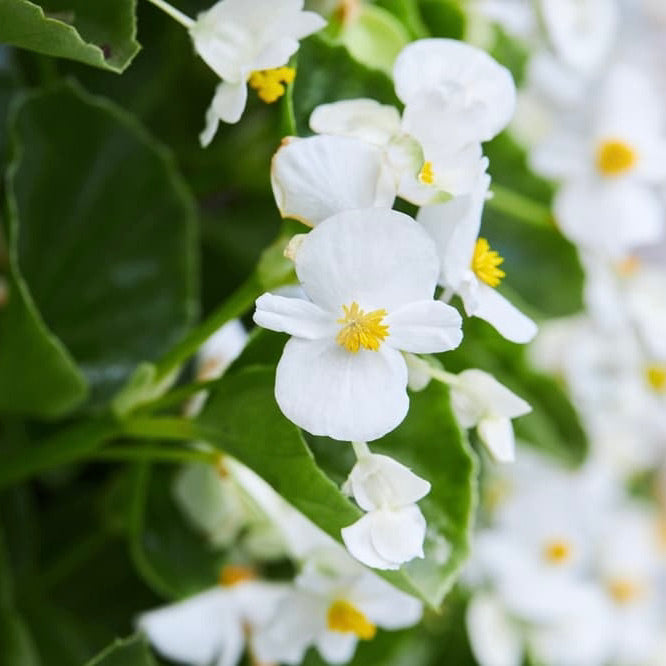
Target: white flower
[[435, 77], [480, 401], [210, 627], [468, 266], [334, 603], [370, 276], [393, 529], [319, 176], [237, 38]]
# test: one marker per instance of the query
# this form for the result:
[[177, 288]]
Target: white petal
[[459, 69], [356, 538], [418, 376], [424, 327], [560, 155], [454, 227], [498, 312], [364, 119], [380, 481], [398, 535], [336, 647], [327, 390], [494, 640], [275, 54], [497, 434], [319, 176], [495, 398], [379, 258], [227, 105], [195, 630], [295, 316]]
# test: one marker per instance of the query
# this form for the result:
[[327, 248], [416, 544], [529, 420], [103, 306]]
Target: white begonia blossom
[[468, 267], [608, 203], [480, 401], [316, 177], [211, 627], [370, 277], [393, 529], [434, 77], [334, 603], [237, 38]]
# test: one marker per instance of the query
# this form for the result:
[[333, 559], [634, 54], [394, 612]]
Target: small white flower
[[334, 603], [393, 529], [237, 38], [210, 627], [369, 276], [468, 266], [480, 401]]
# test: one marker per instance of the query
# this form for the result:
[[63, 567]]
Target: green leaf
[[327, 73], [17, 645], [130, 652], [171, 557], [444, 18], [100, 33], [106, 246], [553, 425], [242, 418]]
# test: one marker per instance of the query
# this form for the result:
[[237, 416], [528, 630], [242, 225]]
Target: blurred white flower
[[393, 528], [370, 276]]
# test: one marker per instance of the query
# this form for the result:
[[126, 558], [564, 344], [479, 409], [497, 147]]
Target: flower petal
[[319, 176], [424, 327], [379, 258], [228, 105], [497, 434], [336, 647], [356, 538], [491, 306], [327, 390], [295, 316], [398, 535], [495, 398]]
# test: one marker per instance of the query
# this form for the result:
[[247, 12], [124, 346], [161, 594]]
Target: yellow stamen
[[485, 263], [232, 574], [624, 591], [557, 551], [361, 329], [614, 157], [343, 617], [269, 83], [628, 266], [655, 374], [426, 175]]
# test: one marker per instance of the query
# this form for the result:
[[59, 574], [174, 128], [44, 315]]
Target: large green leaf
[[106, 246], [241, 417], [130, 652], [328, 73], [100, 33]]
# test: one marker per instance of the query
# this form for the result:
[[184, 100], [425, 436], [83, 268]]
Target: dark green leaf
[[100, 33], [444, 18], [16, 645], [130, 652], [106, 246], [327, 73]]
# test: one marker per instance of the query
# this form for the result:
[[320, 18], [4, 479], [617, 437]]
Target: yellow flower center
[[485, 263], [624, 590], [343, 617], [628, 266], [557, 551], [270, 83], [361, 329], [614, 157], [232, 574], [655, 374], [426, 175]]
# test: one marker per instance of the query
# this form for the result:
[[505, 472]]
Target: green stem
[[177, 395], [236, 305], [174, 13], [519, 206], [162, 428], [361, 450], [155, 454]]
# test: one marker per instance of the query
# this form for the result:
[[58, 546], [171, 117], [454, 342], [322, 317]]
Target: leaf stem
[[174, 13], [519, 206], [157, 454]]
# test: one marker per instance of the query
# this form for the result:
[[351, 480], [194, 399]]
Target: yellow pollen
[[232, 574], [343, 617], [426, 175], [615, 157], [655, 374], [485, 263], [361, 329], [628, 266], [270, 83], [557, 551], [624, 591]]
